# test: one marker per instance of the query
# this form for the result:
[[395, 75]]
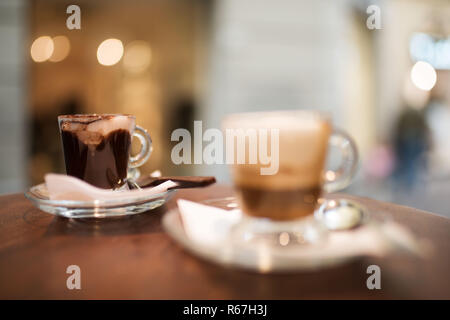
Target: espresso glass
[[97, 147], [278, 205]]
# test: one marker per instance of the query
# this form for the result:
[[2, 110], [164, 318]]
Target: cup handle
[[146, 148], [335, 180]]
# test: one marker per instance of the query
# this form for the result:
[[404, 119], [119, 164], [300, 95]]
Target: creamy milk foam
[[92, 128]]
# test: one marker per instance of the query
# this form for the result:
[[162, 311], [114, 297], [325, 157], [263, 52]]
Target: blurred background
[[173, 62]]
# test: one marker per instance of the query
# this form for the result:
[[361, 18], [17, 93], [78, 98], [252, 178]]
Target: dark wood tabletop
[[133, 258]]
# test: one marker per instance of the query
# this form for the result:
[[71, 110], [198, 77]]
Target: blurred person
[[411, 144], [438, 119]]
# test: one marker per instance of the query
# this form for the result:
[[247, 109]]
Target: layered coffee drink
[[292, 192], [97, 147]]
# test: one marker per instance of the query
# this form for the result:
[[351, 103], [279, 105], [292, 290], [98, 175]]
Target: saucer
[[257, 259], [211, 235], [95, 209]]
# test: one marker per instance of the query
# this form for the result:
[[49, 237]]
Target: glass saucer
[[261, 256], [370, 238], [95, 209], [252, 231]]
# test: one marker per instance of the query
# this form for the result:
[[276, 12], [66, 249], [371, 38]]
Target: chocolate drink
[[97, 149]]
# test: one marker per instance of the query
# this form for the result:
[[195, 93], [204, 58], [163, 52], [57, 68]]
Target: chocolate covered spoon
[[181, 181]]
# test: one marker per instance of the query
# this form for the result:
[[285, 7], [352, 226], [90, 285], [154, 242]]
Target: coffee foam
[[303, 145], [92, 129], [283, 120], [72, 126], [105, 126]]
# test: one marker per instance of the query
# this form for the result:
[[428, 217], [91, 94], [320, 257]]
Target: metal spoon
[[341, 214]]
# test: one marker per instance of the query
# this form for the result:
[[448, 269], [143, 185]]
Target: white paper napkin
[[64, 187], [206, 224]]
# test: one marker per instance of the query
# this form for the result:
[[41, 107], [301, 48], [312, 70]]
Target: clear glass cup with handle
[[97, 147], [277, 164]]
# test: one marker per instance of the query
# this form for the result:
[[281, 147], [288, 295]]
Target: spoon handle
[[182, 181]]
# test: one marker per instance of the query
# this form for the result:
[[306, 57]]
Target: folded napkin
[[207, 224], [64, 187], [210, 227]]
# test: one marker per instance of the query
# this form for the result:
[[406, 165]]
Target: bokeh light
[[284, 238], [137, 58], [423, 75], [110, 52], [42, 49], [61, 48]]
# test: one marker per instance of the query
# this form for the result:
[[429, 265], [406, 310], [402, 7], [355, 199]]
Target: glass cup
[[278, 170], [97, 147]]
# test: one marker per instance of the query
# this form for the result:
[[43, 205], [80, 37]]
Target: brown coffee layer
[[278, 204]]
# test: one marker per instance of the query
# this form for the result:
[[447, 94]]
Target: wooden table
[[132, 258]]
